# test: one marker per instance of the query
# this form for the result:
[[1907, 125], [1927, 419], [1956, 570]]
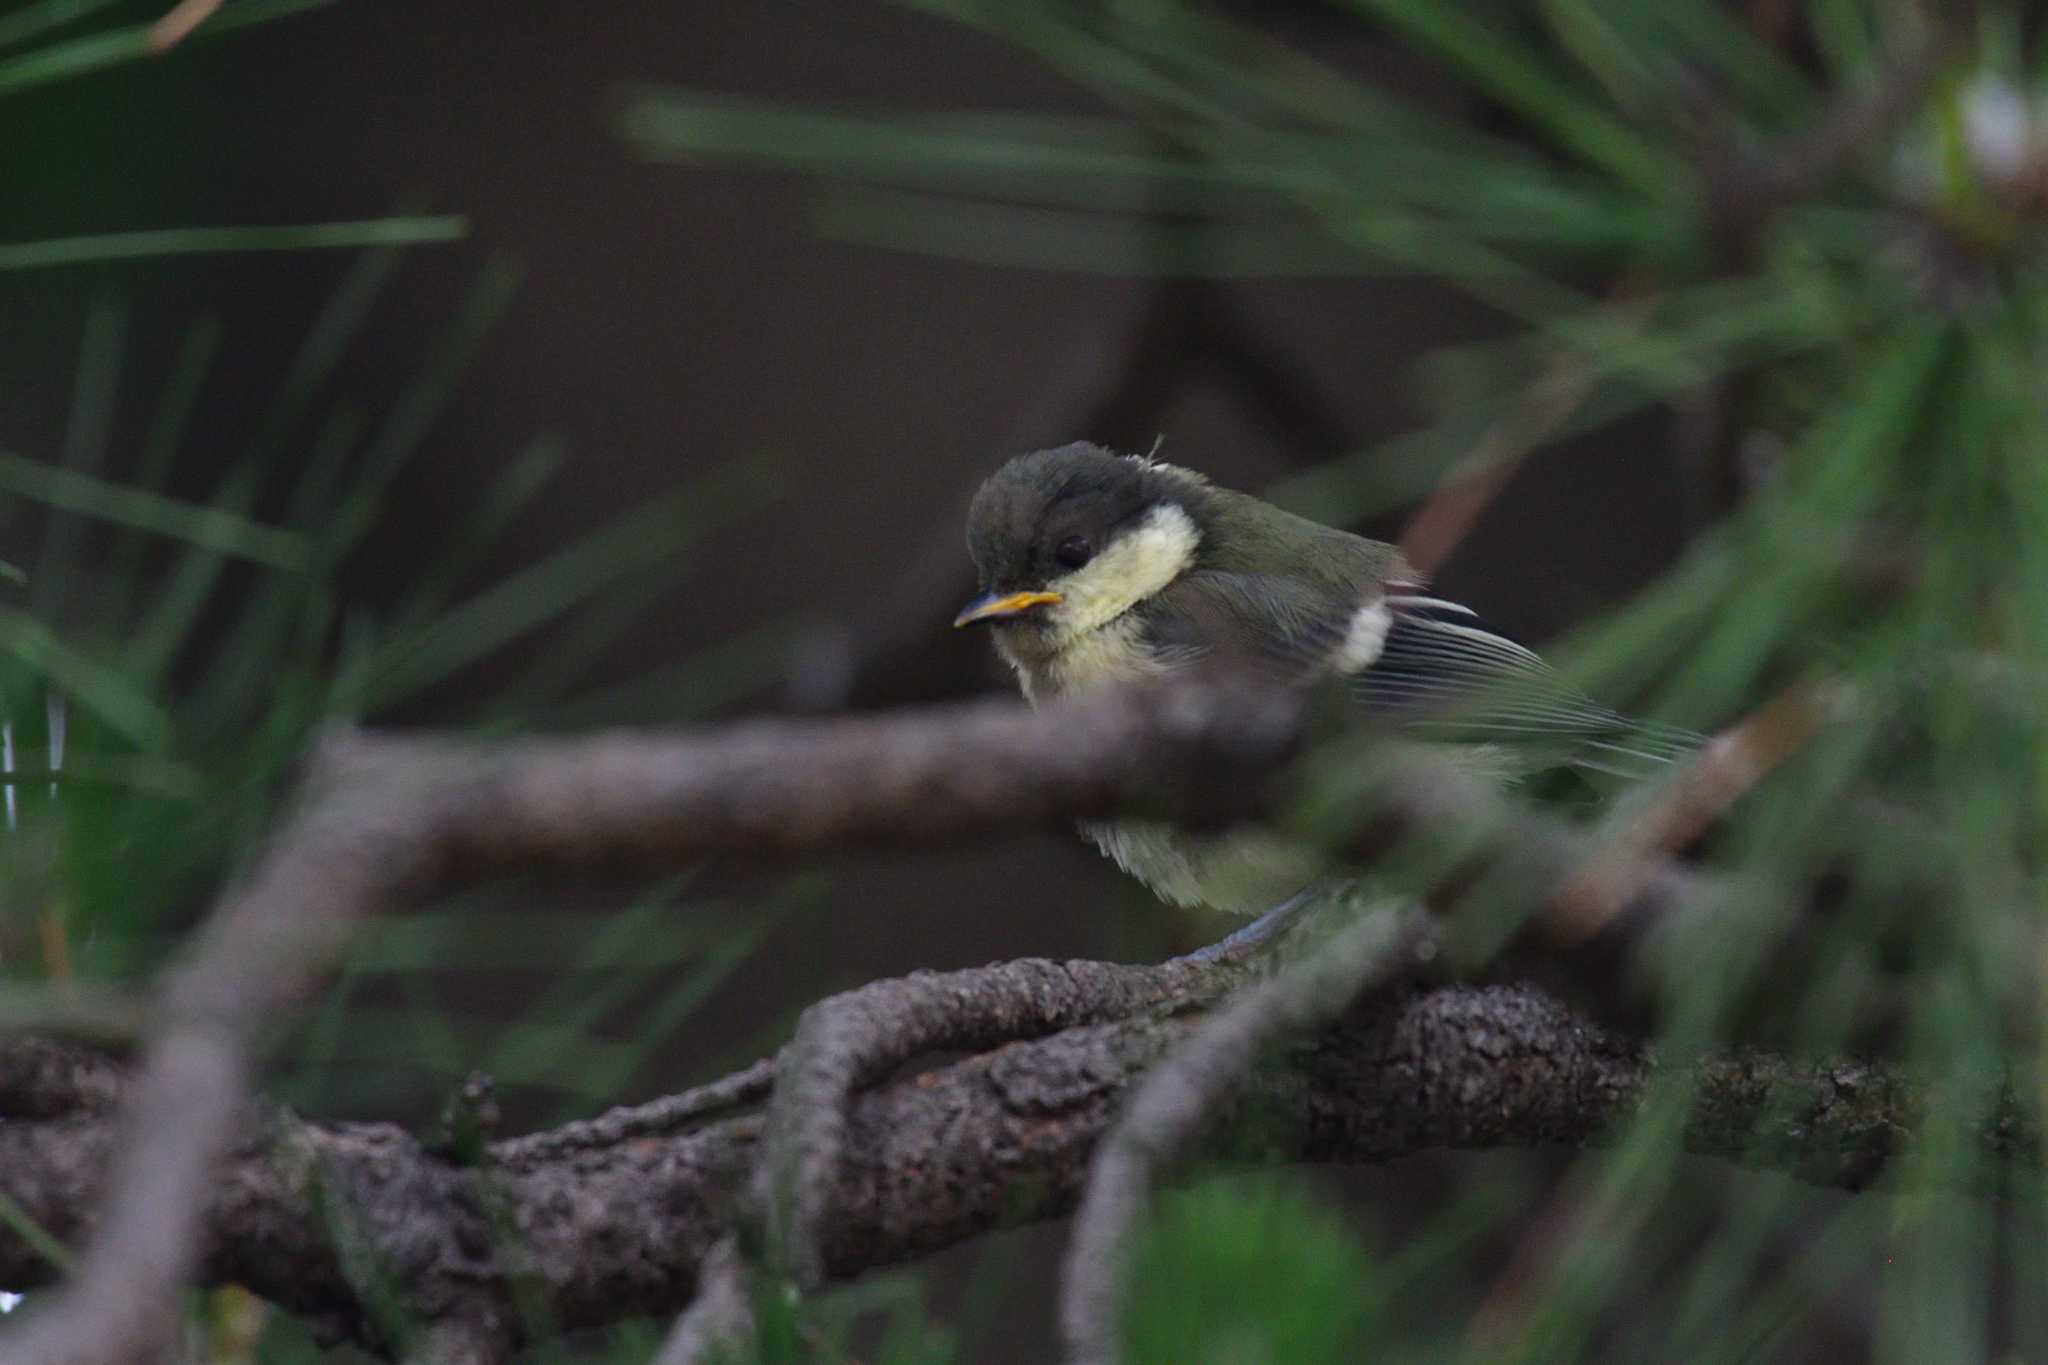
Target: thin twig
[[1182, 1095], [721, 1315], [1679, 812], [664, 1117], [853, 1039], [1442, 523]]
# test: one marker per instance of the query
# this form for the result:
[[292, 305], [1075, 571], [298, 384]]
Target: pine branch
[[622, 1229], [383, 821]]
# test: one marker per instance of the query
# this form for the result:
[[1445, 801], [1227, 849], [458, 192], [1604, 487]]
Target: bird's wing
[[1417, 662], [1271, 623], [1443, 670]]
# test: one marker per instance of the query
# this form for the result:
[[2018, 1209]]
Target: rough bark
[[382, 820], [617, 1223]]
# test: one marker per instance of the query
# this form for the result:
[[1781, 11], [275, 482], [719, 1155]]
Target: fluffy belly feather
[[1245, 874]]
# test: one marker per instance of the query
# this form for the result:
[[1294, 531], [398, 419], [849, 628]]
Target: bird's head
[[1068, 540]]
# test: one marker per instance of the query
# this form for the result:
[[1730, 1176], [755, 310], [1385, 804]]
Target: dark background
[[673, 319]]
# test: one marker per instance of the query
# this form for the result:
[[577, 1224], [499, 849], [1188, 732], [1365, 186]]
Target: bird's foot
[[1263, 933]]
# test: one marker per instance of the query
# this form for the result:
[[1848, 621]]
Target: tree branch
[[602, 1233], [1181, 1097], [720, 1315], [41, 1078], [383, 821], [851, 1040]]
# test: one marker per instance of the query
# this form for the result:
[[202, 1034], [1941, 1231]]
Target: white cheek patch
[[1130, 569], [1365, 637]]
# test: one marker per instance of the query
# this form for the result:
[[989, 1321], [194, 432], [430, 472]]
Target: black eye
[[1073, 552]]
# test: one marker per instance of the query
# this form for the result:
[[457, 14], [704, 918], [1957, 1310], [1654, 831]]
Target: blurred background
[[692, 331]]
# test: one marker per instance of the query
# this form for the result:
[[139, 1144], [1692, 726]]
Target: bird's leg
[[1262, 932]]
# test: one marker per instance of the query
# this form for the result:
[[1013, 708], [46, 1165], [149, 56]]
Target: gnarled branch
[[384, 820], [600, 1231]]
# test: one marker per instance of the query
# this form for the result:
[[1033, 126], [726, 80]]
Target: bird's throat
[[1102, 657]]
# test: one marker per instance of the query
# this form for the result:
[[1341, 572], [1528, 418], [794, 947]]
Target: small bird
[[1099, 568]]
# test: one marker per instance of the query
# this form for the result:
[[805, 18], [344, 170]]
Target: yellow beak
[[1003, 604]]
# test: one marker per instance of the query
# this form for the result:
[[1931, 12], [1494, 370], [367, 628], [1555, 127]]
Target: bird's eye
[[1073, 552]]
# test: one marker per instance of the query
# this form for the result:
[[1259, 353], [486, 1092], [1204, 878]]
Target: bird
[[1098, 568]]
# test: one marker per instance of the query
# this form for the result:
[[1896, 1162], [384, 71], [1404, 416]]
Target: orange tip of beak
[[1003, 604]]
